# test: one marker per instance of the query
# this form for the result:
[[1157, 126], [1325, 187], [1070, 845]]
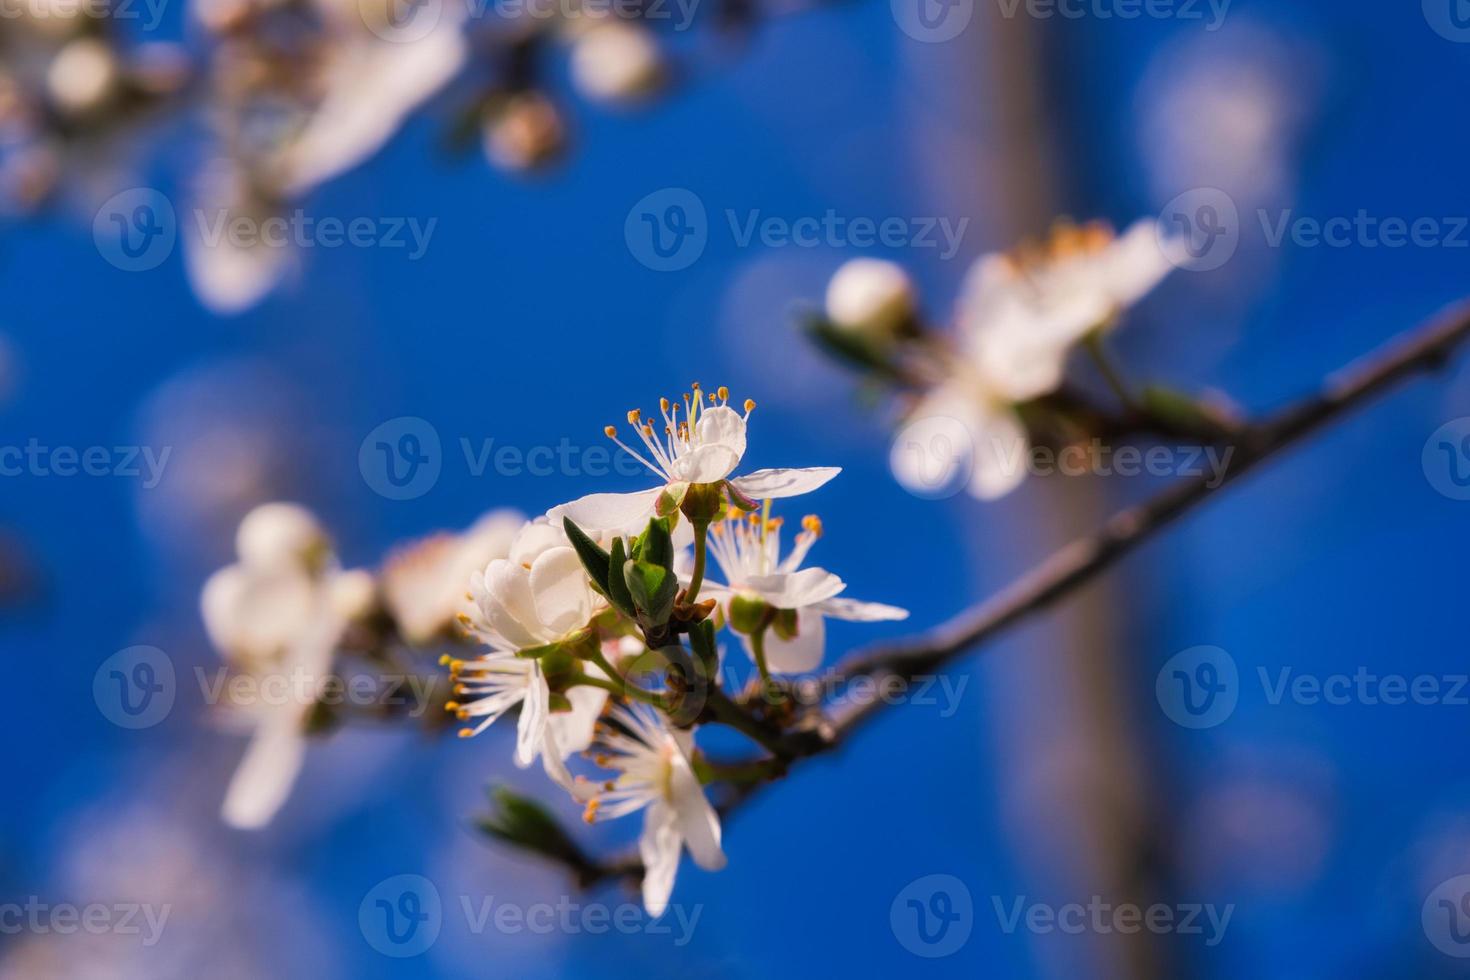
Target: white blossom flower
[[538, 596], [748, 551], [705, 446], [426, 585], [656, 774], [278, 611], [1019, 317]]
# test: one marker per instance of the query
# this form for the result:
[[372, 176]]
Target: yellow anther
[[590, 814], [695, 386], [634, 415], [812, 523], [663, 403], [609, 431], [463, 714], [749, 404], [724, 393], [466, 732], [451, 705], [445, 660]]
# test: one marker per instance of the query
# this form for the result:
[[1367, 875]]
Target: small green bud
[[748, 613]]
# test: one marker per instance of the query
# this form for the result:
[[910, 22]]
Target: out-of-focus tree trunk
[[1076, 780]]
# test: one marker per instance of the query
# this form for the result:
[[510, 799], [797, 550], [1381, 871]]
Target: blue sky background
[[529, 320]]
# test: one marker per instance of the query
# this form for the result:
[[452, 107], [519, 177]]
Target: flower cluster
[[1019, 317], [571, 610]]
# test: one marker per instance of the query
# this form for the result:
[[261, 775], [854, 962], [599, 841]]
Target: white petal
[[531, 726], [1002, 454], [573, 729], [1140, 259], [536, 538], [562, 595], [264, 778], [508, 604], [777, 483], [371, 86], [803, 588], [706, 464], [721, 426], [802, 653], [608, 511], [659, 849], [695, 820], [860, 612]]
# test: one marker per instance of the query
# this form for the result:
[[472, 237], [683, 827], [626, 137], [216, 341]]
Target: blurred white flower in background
[[279, 611], [1018, 319], [232, 272], [615, 61], [426, 583]]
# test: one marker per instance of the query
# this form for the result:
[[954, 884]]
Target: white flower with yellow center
[[655, 774], [748, 550], [703, 445], [538, 596], [279, 611], [1019, 317]]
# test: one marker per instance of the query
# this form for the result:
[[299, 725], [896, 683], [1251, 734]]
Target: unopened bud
[[870, 296], [526, 133], [280, 534], [83, 76], [616, 62]]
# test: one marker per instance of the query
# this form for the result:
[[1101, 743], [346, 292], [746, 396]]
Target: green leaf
[[524, 823], [594, 559], [617, 586], [653, 588]]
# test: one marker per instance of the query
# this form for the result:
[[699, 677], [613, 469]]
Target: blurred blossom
[[83, 77], [425, 583], [237, 440], [1225, 110], [522, 132], [10, 370], [616, 62], [1266, 820], [229, 273]]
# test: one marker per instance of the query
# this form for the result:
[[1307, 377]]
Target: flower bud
[[616, 62], [873, 297], [279, 534], [83, 76], [526, 133]]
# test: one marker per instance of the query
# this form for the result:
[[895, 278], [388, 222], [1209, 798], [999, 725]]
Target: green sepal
[[653, 588], [658, 544], [748, 613], [702, 639], [670, 499], [524, 823], [784, 623], [597, 562], [617, 586]]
